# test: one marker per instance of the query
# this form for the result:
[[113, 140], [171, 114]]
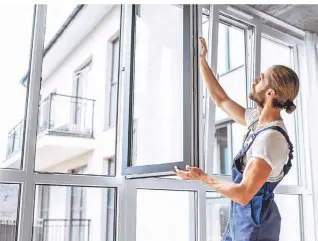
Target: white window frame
[[127, 189]]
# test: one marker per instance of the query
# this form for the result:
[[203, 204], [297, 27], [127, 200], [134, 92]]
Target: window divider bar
[[202, 215], [34, 85], [212, 61]]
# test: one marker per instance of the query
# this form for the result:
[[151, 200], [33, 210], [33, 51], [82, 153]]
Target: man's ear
[[270, 92]]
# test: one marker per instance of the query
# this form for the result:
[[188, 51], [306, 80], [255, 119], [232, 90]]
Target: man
[[265, 157]]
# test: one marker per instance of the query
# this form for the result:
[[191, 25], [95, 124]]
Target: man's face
[[258, 90]]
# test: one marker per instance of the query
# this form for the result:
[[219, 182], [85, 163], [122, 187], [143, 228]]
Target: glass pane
[[291, 221], [9, 206], [218, 213], [165, 215], [232, 77], [77, 94], [283, 57], [222, 154], [238, 132], [231, 65], [16, 26], [158, 82], [68, 213]]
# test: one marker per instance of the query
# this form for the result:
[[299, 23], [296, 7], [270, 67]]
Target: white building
[[141, 52]]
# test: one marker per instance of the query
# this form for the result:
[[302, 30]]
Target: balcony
[[62, 230], [65, 130]]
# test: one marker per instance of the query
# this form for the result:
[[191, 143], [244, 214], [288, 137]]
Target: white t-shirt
[[269, 145]]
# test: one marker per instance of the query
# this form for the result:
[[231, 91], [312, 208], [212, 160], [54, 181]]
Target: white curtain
[[310, 96]]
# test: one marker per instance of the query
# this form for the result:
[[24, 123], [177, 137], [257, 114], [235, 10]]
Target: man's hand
[[192, 173], [204, 49]]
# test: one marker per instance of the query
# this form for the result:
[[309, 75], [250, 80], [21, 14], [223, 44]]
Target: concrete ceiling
[[301, 16]]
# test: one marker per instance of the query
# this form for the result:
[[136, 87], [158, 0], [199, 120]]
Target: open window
[[159, 97], [230, 54]]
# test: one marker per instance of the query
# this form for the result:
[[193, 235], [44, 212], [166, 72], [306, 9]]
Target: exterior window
[[223, 149], [114, 83], [80, 95], [78, 210]]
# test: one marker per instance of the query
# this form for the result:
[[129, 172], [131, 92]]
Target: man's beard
[[259, 98]]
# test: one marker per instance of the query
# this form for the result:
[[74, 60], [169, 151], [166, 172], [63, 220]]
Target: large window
[[232, 75], [92, 157], [77, 66], [73, 216], [284, 57], [16, 25], [159, 132]]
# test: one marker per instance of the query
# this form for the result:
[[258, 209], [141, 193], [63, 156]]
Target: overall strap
[[288, 165]]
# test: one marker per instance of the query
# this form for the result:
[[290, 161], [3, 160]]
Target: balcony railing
[[58, 114], [62, 230], [15, 139], [8, 230]]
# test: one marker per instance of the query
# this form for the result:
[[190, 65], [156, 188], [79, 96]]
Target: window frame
[[189, 99], [126, 200]]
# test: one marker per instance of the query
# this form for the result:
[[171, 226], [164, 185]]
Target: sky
[[16, 27]]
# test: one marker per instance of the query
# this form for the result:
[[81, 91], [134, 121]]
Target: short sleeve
[[272, 147], [251, 116]]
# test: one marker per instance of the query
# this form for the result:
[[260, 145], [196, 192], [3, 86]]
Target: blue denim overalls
[[260, 219]]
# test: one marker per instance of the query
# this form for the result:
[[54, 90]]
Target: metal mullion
[[28, 188], [188, 87], [12, 176], [77, 180], [131, 212], [166, 184], [212, 60], [201, 204], [200, 97], [128, 23]]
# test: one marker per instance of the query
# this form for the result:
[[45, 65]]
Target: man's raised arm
[[217, 93]]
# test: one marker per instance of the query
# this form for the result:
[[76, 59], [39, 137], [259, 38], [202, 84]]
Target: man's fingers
[[203, 42]]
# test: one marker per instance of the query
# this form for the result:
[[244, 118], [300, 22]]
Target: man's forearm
[[231, 190], [215, 89]]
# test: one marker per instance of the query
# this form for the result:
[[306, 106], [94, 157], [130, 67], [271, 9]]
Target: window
[[217, 213], [16, 24], [110, 166], [114, 83], [76, 65], [78, 210], [80, 87], [231, 69], [44, 194], [9, 206], [156, 219], [232, 76], [88, 204], [231, 50], [284, 57], [78, 219], [223, 149], [160, 76]]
